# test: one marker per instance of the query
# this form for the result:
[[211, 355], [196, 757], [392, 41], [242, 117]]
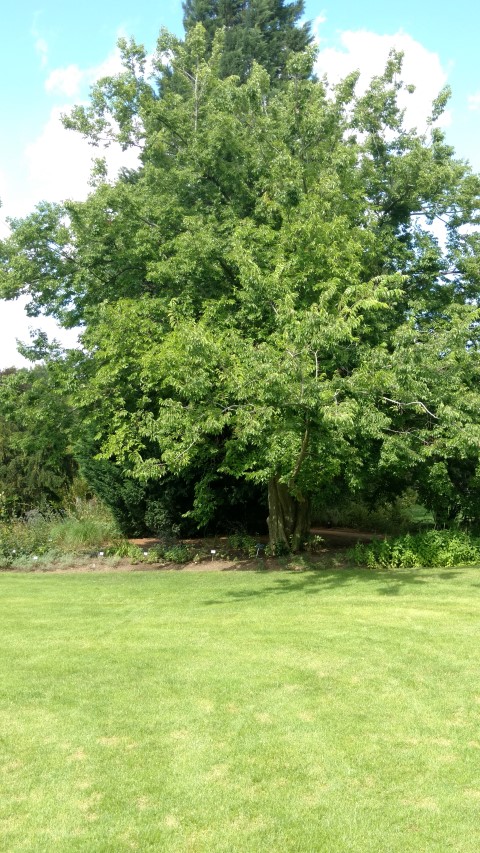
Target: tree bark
[[289, 517]]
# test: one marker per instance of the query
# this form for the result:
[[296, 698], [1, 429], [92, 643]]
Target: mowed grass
[[329, 711]]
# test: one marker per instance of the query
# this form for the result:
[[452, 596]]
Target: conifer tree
[[262, 30]]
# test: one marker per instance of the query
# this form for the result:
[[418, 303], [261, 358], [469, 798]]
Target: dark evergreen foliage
[[262, 30], [36, 462], [163, 508]]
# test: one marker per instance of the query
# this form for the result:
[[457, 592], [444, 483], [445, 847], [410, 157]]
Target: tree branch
[[411, 403]]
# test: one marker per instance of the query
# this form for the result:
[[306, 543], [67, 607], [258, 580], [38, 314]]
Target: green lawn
[[330, 711]]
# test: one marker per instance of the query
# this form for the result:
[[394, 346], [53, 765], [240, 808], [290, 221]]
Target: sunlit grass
[[330, 711]]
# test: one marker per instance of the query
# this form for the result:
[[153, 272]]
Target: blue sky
[[52, 51]]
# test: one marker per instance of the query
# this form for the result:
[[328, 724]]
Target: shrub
[[155, 554], [314, 544], [423, 550], [125, 548], [277, 549], [400, 515], [177, 553], [22, 538], [175, 506], [244, 543]]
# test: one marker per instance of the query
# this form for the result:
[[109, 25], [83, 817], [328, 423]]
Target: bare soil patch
[[207, 565]]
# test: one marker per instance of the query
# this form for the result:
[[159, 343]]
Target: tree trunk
[[289, 517]]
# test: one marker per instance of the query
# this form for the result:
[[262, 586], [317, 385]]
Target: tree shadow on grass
[[387, 582]]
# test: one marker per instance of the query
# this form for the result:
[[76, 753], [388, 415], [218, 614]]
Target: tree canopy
[[262, 31], [264, 298]]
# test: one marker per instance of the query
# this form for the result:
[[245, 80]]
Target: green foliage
[[177, 505], [36, 460], [155, 554], [277, 549], [244, 544], [139, 508], [263, 31], [20, 539], [88, 527], [401, 515], [262, 298], [179, 553], [124, 549], [314, 544], [431, 549], [172, 552]]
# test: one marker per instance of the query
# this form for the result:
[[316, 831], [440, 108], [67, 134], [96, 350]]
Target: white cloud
[[41, 47], [71, 80], [66, 81], [56, 166], [3, 192], [110, 66], [15, 325], [368, 52], [59, 161], [474, 101], [316, 24], [40, 44]]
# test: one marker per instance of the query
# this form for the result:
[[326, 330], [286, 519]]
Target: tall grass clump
[[85, 528], [419, 550], [89, 526]]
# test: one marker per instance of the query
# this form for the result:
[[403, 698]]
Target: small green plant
[[277, 549], [244, 543], [124, 548], [314, 544], [177, 553], [155, 554], [298, 563]]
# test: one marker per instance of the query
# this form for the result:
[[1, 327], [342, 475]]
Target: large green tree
[[263, 297]]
